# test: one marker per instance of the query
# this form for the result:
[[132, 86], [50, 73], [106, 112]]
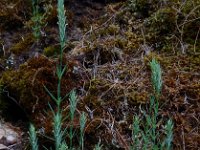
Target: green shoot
[[98, 146], [169, 134], [156, 76], [33, 138], [73, 103], [135, 132], [149, 137], [83, 120], [37, 20]]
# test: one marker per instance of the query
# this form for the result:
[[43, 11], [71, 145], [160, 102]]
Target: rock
[[3, 147], [9, 135]]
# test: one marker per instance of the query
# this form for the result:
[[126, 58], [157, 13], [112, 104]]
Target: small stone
[[11, 139], [9, 135], [3, 147]]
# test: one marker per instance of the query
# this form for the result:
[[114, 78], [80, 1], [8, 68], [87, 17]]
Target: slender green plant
[[33, 137], [58, 132], [149, 137], [83, 120], [156, 77], [62, 23], [98, 146], [36, 19], [135, 132], [57, 116], [57, 129], [151, 119], [63, 146], [169, 135], [145, 140], [73, 103]]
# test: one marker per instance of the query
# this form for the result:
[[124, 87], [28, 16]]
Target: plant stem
[[33, 137]]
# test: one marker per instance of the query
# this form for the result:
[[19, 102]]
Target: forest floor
[[109, 47]]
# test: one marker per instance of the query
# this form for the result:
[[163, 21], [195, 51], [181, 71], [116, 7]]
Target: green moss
[[27, 83], [112, 29], [142, 8], [51, 51], [162, 22], [136, 97], [121, 43], [23, 45], [138, 6]]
